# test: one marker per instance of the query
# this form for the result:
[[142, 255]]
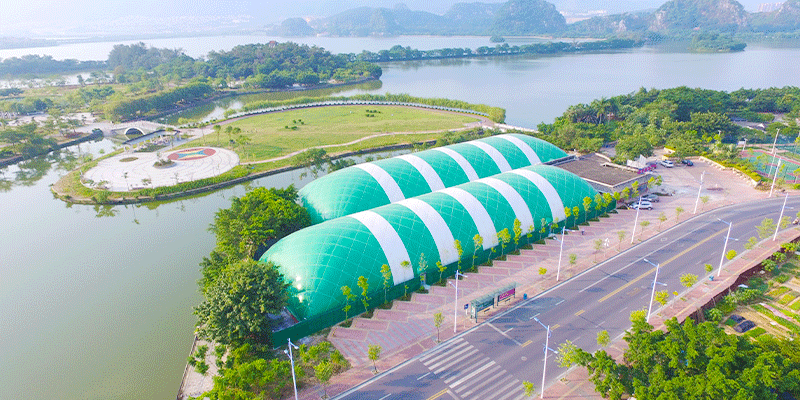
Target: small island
[[709, 42]]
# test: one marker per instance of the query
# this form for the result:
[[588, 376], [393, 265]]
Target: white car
[[667, 163], [642, 205]]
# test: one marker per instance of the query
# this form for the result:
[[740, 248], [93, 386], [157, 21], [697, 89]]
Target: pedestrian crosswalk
[[470, 374]]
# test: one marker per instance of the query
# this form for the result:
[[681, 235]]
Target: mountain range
[[539, 17]]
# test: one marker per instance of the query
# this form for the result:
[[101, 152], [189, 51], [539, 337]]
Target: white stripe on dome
[[386, 181], [513, 198], [478, 213], [390, 243], [496, 156], [550, 193], [442, 236], [461, 161], [533, 158], [430, 175]]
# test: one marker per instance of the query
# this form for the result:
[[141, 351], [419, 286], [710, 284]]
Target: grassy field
[[276, 134]]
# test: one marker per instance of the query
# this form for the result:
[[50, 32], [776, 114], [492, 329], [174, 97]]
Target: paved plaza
[[132, 171]]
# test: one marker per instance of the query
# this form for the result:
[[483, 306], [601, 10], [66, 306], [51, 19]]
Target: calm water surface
[[95, 302]]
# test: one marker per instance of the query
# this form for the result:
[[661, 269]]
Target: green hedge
[[238, 171]]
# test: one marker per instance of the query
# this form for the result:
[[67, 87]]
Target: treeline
[[273, 65], [45, 65], [400, 53], [683, 119], [496, 114], [126, 109]]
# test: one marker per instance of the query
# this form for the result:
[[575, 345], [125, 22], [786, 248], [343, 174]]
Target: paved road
[[490, 361]]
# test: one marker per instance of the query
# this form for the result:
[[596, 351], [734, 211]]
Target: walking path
[[407, 329]]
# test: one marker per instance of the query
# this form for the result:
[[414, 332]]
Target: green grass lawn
[[276, 134]]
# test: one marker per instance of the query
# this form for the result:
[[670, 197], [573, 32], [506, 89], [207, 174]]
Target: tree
[[528, 388], [598, 245], [236, 305], [576, 211], [620, 236], [766, 228], [257, 219], [661, 218], [661, 297], [517, 232], [407, 265], [542, 270], [441, 269], [460, 251], [751, 243], [504, 238], [705, 200], [364, 285], [731, 254], [477, 240], [374, 353], [573, 259], [603, 339], [323, 372], [688, 280], [386, 272], [708, 267], [438, 318], [348, 295], [644, 223], [678, 212]]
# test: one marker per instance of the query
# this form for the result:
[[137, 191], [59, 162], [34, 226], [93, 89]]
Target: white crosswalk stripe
[[470, 374]]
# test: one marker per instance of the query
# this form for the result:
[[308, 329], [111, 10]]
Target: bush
[[755, 332], [786, 299], [201, 367], [782, 278]]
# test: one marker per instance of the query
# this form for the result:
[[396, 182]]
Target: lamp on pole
[[636, 220], [560, 251], [775, 142], [455, 306], [778, 225], [699, 188], [291, 359], [775, 178], [653, 292], [546, 347], [725, 246]]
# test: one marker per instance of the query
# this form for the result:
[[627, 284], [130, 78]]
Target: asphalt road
[[490, 361]]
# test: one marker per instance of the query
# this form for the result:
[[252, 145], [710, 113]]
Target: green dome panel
[[406, 176]]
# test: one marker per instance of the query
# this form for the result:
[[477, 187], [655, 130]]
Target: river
[[96, 302]]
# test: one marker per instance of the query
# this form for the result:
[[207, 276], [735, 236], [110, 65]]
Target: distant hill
[[675, 18]]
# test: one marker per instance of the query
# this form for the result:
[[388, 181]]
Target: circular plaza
[[132, 171]]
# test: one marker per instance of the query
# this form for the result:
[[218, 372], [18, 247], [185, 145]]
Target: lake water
[[96, 302]]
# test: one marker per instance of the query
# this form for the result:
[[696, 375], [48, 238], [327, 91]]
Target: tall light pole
[[636, 220], [699, 188], [775, 142], [560, 252], [778, 225], [455, 306], [775, 178], [291, 359], [725, 246], [546, 347], [653, 292]]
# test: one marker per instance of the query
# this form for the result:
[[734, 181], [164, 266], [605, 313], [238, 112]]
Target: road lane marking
[[385, 396], [562, 300], [625, 286], [471, 374], [508, 330], [577, 314], [423, 376], [503, 333], [527, 343], [554, 327], [437, 395]]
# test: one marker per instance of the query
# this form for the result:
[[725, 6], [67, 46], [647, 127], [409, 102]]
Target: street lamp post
[[775, 178], [560, 252], [636, 220], [653, 292], [455, 306], [291, 359], [725, 246], [699, 188], [778, 225], [546, 347], [775, 142]]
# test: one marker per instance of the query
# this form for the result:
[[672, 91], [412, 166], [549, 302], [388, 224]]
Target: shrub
[[755, 332], [786, 299]]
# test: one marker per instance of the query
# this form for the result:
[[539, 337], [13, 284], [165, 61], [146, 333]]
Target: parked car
[[642, 205], [744, 326], [688, 162], [667, 163], [651, 198], [736, 318]]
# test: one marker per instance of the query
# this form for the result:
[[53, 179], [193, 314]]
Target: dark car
[[651, 198], [736, 318], [744, 326], [688, 162]]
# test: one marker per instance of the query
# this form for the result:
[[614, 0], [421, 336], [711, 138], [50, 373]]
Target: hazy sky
[[80, 17]]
